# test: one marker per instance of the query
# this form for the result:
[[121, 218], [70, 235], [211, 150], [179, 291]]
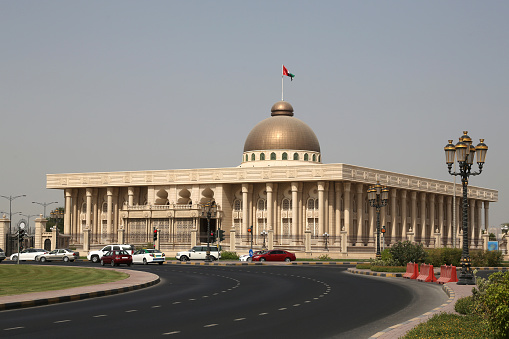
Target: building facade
[[281, 187]]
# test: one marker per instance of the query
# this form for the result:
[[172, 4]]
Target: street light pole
[[11, 198], [209, 210], [264, 234], [464, 152], [44, 204], [326, 237], [378, 197], [28, 216]]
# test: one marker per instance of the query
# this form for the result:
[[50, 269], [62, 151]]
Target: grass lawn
[[445, 325], [19, 279]]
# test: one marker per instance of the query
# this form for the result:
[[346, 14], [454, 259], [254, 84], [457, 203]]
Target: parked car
[[58, 254], [275, 255], [28, 254], [95, 256], [247, 257], [117, 257], [2, 255], [199, 253], [147, 256]]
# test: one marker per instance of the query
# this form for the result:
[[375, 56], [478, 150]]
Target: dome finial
[[282, 108]]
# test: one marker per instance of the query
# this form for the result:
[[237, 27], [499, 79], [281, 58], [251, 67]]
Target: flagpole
[[282, 76]]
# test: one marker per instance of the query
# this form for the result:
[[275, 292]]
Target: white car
[[28, 254], [247, 257], [148, 256], [199, 253], [95, 256], [58, 254]]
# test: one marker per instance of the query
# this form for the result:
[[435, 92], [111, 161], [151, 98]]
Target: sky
[[93, 86]]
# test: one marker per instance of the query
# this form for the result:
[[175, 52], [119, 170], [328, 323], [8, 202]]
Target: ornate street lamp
[[56, 215], [378, 197], [264, 234], [326, 238], [208, 211], [464, 152]]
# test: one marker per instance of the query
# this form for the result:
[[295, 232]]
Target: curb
[[376, 274], [75, 297]]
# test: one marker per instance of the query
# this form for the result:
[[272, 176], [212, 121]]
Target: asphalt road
[[233, 302]]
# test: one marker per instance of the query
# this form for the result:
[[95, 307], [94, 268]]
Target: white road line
[[211, 325], [282, 309], [60, 321], [176, 302], [296, 305], [192, 299], [99, 316], [263, 313], [131, 311], [170, 333], [307, 301], [156, 306], [13, 328], [239, 319]]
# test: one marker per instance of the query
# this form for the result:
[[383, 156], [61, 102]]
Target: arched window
[[285, 156], [84, 208], [314, 157], [272, 156], [311, 204], [262, 156], [306, 157], [253, 157], [262, 205], [295, 156], [237, 205], [286, 204], [105, 207], [247, 158], [319, 158]]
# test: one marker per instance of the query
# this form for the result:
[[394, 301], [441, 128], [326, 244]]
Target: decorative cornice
[[238, 175]]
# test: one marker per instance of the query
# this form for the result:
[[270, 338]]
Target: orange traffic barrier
[[447, 274], [412, 270], [427, 274]]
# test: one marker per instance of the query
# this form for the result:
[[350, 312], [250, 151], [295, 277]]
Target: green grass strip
[[446, 325], [20, 279]]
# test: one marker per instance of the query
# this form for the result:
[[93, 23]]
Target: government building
[[281, 190]]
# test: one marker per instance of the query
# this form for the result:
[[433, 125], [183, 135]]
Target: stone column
[[295, 210], [487, 215], [478, 222], [245, 208], [394, 216], [4, 230], [404, 227], [485, 239], [75, 220], [321, 208], [338, 190], [86, 240], [441, 219], [130, 195], [232, 239], [40, 226], [67, 211], [109, 212], [423, 217], [269, 188], [448, 222], [88, 216], [432, 213], [360, 212], [54, 238], [472, 222], [413, 196], [347, 211]]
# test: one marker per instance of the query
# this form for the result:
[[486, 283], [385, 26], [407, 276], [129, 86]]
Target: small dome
[[282, 132]]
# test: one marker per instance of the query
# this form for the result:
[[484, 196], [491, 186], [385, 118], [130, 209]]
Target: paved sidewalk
[[135, 281], [453, 290]]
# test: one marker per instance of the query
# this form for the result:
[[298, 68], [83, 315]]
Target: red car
[[115, 258], [275, 255]]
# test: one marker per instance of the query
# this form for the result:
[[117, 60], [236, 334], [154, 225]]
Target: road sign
[[251, 252]]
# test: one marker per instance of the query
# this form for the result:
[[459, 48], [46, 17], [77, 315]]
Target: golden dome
[[282, 131]]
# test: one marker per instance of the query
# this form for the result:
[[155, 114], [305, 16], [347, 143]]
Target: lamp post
[[464, 152], [208, 211], [28, 216], [326, 238], [11, 198], [44, 204], [57, 214], [504, 228], [378, 197], [263, 234]]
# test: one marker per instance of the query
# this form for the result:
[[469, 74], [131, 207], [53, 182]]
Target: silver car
[[59, 254]]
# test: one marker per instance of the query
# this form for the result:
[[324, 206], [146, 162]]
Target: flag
[[288, 74]]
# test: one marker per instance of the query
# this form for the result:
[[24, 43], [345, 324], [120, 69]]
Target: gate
[[12, 243]]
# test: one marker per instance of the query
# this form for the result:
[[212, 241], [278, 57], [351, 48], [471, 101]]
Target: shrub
[[386, 255], [382, 262], [324, 257], [443, 256], [227, 255], [388, 268], [363, 266], [491, 301], [482, 258], [446, 325], [405, 252], [464, 305]]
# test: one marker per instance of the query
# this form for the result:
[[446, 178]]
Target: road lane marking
[[282, 309], [13, 328], [131, 311], [264, 313], [239, 319], [170, 333], [211, 325], [296, 305], [60, 321], [99, 316], [156, 306], [192, 299], [176, 302]]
